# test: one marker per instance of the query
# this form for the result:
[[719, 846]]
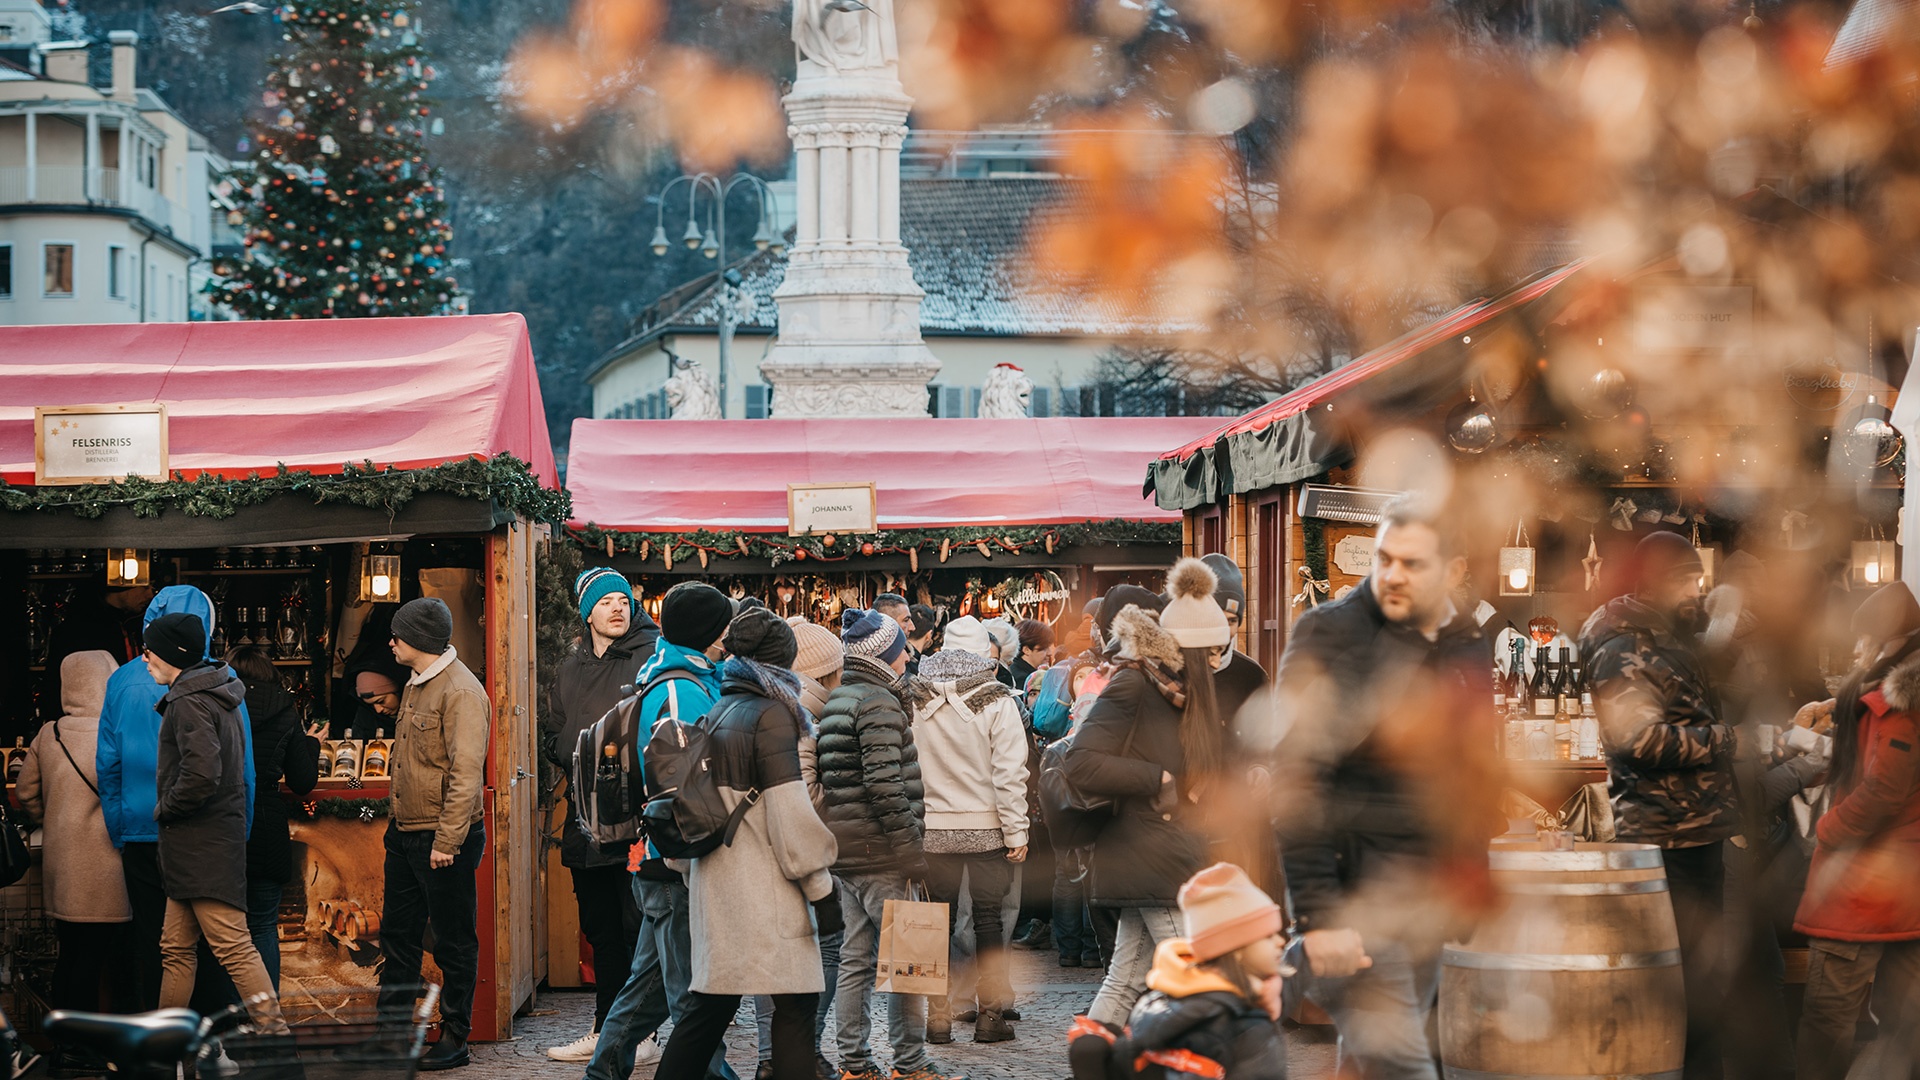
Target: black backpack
[[607, 783], [685, 816], [1073, 817]]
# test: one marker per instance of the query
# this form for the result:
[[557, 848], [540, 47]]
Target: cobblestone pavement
[[1047, 996]]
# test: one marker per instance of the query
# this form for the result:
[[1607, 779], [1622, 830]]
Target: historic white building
[[105, 193]]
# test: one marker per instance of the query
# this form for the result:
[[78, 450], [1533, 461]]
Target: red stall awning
[[245, 397], [682, 475]]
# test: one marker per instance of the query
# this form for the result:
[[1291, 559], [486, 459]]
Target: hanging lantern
[[1709, 560], [380, 579], [1518, 569], [127, 567], [1875, 562]]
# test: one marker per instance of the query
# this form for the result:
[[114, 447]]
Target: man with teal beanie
[[127, 758], [681, 681]]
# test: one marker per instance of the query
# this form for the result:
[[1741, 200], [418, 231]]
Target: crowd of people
[[1224, 845]]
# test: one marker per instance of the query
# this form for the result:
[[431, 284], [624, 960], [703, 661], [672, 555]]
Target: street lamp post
[[713, 244]]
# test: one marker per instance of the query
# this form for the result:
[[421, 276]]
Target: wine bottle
[[1541, 689], [1499, 691]]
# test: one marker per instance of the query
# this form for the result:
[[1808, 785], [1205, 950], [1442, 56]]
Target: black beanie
[[1118, 599], [1659, 554], [1231, 592], [761, 636], [694, 614], [178, 639], [425, 624]]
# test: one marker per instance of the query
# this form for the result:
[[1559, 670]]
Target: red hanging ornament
[[827, 540], [866, 548]]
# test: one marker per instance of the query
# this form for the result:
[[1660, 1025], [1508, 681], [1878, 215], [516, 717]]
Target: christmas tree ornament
[[1471, 427], [1606, 394]]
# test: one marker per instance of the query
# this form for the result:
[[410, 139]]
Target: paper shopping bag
[[913, 948]]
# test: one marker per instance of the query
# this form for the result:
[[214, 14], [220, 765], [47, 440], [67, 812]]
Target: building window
[[6, 271], [59, 270], [951, 401], [116, 277], [1042, 402], [757, 401], [973, 401]]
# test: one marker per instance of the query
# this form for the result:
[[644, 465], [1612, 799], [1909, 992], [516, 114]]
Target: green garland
[[671, 548], [347, 809], [1314, 546], [503, 479]]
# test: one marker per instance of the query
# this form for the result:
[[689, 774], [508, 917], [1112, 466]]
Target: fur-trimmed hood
[[1901, 688], [1139, 637]]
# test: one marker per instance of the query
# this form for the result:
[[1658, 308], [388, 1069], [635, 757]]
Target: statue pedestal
[[849, 340]]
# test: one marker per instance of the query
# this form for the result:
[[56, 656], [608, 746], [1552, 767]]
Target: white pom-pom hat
[[1192, 618]]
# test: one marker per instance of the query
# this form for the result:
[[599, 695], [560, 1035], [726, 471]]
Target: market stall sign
[[98, 444], [831, 508], [1354, 554], [1041, 596], [1693, 317]]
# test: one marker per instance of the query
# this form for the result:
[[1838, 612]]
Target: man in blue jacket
[[681, 680], [127, 759]]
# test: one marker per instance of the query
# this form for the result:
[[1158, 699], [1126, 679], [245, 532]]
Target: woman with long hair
[[1155, 744]]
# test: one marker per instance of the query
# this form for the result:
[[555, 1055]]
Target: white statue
[[1006, 395], [690, 392], [846, 35]]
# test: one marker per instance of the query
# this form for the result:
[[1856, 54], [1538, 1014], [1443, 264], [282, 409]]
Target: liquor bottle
[[326, 757], [373, 765], [1541, 689], [1499, 692], [1587, 727], [346, 759], [1565, 682]]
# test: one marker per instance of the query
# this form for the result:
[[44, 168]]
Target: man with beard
[[1670, 760], [591, 680], [1384, 786]]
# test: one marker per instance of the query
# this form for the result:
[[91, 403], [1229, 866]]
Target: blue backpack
[[1053, 708]]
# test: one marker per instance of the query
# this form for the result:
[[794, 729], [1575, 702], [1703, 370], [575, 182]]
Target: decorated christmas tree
[[342, 214]]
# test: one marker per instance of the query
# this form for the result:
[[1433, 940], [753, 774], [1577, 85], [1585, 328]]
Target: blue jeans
[[763, 1003], [263, 924], [656, 986], [863, 898], [1381, 1013], [1072, 930]]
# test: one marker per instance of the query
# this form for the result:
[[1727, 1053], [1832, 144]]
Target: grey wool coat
[[80, 870], [751, 916]]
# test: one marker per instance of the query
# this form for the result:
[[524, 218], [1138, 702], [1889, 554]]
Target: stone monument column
[[849, 340]]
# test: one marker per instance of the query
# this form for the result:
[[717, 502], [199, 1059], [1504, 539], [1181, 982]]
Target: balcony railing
[[68, 185]]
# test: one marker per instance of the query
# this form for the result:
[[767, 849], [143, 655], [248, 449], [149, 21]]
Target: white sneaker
[[580, 1049], [648, 1052]]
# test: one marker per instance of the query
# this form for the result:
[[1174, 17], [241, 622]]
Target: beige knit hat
[[1225, 911], [1192, 617], [820, 654]]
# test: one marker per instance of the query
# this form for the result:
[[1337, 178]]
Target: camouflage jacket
[[1669, 755]]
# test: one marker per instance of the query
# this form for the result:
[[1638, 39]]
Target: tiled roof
[[966, 241], [1870, 25]]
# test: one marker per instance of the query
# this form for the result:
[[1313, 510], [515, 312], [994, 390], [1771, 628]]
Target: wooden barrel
[[1575, 974]]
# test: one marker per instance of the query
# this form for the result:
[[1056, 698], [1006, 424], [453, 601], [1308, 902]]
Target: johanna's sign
[[98, 444], [831, 508]]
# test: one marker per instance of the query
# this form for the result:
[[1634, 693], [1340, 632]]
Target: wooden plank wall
[[516, 848]]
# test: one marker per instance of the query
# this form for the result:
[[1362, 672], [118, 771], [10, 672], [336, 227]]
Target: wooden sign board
[[99, 444], [1687, 316], [832, 508]]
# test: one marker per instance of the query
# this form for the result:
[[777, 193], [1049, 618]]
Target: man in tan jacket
[[437, 834]]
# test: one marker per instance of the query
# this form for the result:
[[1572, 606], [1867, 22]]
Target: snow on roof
[[967, 243]]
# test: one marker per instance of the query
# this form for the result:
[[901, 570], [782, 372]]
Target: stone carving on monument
[[1007, 394], [691, 393], [849, 339]]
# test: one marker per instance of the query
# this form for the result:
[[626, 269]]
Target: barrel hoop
[[1587, 888], [1451, 1072], [1463, 958], [1647, 858]]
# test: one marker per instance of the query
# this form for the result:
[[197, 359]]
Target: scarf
[[777, 683]]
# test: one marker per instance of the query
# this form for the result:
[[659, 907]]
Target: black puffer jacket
[[870, 772], [1669, 752], [1129, 738], [280, 749], [202, 785], [1389, 734], [585, 686]]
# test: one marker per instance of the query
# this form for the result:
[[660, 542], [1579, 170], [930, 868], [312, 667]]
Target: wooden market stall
[[1578, 411], [307, 476]]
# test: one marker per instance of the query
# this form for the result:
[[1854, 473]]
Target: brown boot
[[990, 1027]]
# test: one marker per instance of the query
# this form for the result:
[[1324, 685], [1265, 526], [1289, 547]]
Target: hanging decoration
[[1876, 560], [1872, 440], [1607, 394], [1709, 557], [1593, 563], [1471, 427], [778, 548]]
